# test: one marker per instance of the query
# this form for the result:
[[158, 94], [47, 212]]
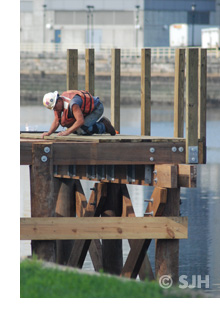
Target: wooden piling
[[167, 252], [115, 88], [42, 195], [179, 92], [202, 92], [72, 69], [146, 92], [192, 106], [112, 249], [90, 71], [65, 207]]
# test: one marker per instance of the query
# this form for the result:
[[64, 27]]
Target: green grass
[[38, 281]]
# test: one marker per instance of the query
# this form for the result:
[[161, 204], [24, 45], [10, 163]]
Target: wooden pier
[[63, 226]]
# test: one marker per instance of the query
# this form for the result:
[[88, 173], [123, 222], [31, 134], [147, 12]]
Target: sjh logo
[[196, 281]]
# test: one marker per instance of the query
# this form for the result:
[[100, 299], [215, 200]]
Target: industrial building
[[110, 24]]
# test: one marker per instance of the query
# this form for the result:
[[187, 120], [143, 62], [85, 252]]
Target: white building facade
[[93, 23]]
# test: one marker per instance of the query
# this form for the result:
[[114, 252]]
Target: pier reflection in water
[[199, 255]]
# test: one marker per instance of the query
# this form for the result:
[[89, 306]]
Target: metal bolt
[[46, 149], [149, 213], [181, 149], [44, 158], [193, 159], [174, 149], [155, 172], [151, 158], [152, 150], [155, 180], [149, 200]]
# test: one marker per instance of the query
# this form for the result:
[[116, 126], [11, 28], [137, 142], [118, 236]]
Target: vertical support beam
[[202, 77], [112, 249], [65, 207], [90, 71], [179, 92], [42, 194], [145, 92], [72, 69], [192, 106], [167, 251], [115, 89]]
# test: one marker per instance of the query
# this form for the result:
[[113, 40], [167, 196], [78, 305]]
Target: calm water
[[199, 255]]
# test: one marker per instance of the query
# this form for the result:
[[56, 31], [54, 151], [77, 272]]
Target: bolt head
[[46, 149], [152, 150], [44, 158], [174, 149], [181, 149], [151, 158]]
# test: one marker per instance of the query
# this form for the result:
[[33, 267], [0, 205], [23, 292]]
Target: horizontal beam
[[114, 153], [103, 228]]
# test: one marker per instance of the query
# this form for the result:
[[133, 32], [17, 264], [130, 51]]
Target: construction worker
[[79, 111]]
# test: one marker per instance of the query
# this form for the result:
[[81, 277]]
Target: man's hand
[[63, 133], [45, 134]]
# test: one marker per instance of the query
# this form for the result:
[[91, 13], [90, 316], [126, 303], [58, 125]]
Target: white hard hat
[[50, 99]]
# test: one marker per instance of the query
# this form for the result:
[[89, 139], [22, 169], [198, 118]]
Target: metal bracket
[[72, 171], [100, 172], [110, 172], [90, 172], [130, 173], [193, 154], [148, 174]]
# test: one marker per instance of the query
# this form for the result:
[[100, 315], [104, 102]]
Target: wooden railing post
[[90, 71], [202, 78], [115, 89], [179, 92], [145, 92], [72, 69], [192, 106]]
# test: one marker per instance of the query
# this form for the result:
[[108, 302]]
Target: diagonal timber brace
[[137, 254], [91, 209]]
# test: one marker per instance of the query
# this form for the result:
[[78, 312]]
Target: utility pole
[[193, 8]]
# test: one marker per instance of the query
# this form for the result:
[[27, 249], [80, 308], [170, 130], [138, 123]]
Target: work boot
[[108, 126]]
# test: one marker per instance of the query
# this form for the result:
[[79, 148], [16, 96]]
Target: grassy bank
[[38, 281]]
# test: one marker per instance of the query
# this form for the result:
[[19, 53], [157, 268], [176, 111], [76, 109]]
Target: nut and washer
[[152, 150], [174, 149], [44, 158], [181, 149], [46, 149], [151, 158]]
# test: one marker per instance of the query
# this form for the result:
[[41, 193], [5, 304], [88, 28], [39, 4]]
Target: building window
[[198, 17]]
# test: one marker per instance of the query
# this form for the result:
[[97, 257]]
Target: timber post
[[42, 194], [145, 92], [192, 149], [72, 69], [115, 88], [90, 71], [179, 93]]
